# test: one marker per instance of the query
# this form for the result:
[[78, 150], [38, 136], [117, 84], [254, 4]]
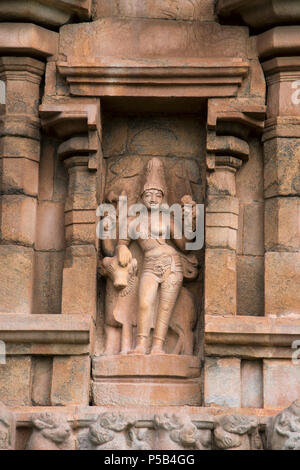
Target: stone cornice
[[45, 329], [27, 39], [246, 336], [178, 77], [261, 13], [280, 41], [51, 13]]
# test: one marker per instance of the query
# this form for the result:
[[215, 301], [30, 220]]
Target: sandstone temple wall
[[121, 343]]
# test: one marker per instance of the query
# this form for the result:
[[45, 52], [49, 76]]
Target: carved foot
[[139, 350], [157, 350]]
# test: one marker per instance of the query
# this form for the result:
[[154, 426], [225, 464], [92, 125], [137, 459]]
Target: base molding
[[145, 380]]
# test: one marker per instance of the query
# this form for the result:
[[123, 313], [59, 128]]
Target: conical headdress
[[155, 176]]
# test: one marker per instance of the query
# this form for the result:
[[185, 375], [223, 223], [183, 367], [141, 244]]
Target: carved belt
[[162, 265]]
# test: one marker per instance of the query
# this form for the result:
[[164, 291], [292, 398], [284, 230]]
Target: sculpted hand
[[124, 255]]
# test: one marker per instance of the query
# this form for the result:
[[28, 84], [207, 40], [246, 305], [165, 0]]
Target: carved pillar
[[225, 155], [222, 212], [282, 181], [228, 126], [77, 124], [20, 154], [80, 267]]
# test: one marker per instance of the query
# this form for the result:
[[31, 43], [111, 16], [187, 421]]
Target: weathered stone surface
[[142, 38], [250, 177], [250, 285], [282, 278], [282, 167], [147, 393], [19, 175], [18, 219], [281, 383], [222, 182], [15, 381], [251, 238], [252, 384], [282, 227], [70, 381], [48, 282], [50, 234], [165, 9], [220, 282], [41, 380], [79, 269], [222, 382], [16, 272]]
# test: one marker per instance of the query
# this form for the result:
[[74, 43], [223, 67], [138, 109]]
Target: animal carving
[[237, 432], [122, 306], [283, 430], [176, 432], [50, 432]]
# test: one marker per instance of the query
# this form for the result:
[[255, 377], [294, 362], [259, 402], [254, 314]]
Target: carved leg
[[147, 295], [126, 340], [168, 297]]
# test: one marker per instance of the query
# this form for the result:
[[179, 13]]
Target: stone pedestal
[[146, 380]]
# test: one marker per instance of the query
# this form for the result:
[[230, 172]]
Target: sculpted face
[[152, 198]]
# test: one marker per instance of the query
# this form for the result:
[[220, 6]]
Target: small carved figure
[[51, 431], [283, 431], [108, 432], [7, 428], [236, 432], [178, 432], [121, 302]]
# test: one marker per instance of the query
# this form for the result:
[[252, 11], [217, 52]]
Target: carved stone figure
[[7, 429], [237, 432], [283, 430], [158, 298], [112, 431], [178, 432], [51, 431], [122, 304]]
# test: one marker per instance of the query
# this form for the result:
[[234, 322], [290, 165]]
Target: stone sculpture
[[178, 432], [283, 431], [237, 432], [157, 296], [112, 431], [51, 431], [7, 428]]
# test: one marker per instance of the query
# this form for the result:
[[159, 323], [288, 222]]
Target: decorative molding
[[45, 329], [27, 39], [261, 13], [51, 13], [178, 77], [280, 41], [247, 336]]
